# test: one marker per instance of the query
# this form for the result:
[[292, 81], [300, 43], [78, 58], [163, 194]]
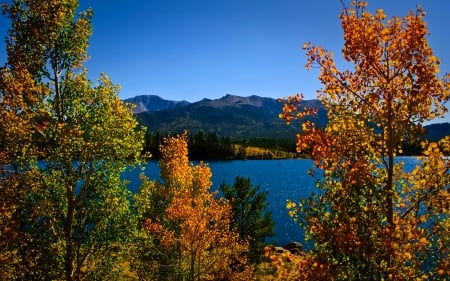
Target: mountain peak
[[234, 116], [234, 100], [231, 115], [153, 103]]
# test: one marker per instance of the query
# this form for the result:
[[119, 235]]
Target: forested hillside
[[229, 127], [234, 116], [231, 116]]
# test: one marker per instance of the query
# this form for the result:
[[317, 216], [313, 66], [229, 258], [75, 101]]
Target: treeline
[[211, 146], [417, 147]]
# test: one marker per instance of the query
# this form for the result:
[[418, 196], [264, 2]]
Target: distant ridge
[[153, 103], [233, 116], [435, 132]]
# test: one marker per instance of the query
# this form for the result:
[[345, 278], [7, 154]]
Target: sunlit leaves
[[186, 233], [371, 218], [66, 215], [58, 36]]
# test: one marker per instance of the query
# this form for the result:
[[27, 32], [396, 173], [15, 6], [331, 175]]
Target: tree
[[65, 142], [184, 231], [373, 220], [250, 217]]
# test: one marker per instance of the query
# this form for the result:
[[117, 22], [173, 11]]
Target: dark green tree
[[250, 217]]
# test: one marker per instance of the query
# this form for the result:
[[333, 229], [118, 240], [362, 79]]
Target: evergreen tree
[[250, 217]]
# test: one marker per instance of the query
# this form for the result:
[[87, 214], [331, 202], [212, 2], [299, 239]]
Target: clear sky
[[194, 49]]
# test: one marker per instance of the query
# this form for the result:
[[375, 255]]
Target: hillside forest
[[65, 140]]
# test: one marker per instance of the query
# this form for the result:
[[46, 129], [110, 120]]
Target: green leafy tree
[[372, 219], [65, 143], [250, 217]]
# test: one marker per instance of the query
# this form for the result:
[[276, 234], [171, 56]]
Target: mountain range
[[151, 103], [233, 116]]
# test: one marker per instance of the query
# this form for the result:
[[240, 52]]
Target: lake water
[[283, 179]]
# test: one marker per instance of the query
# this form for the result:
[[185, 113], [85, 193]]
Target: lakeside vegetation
[[211, 146]]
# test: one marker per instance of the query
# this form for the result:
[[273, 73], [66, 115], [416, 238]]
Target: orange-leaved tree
[[374, 219], [184, 231]]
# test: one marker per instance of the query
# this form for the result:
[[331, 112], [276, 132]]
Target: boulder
[[280, 250], [294, 247]]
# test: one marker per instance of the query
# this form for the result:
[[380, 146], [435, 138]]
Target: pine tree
[[250, 217]]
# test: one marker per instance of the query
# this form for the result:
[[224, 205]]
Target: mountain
[[153, 103], [234, 116], [435, 132]]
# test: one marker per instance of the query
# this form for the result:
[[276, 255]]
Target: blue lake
[[283, 179]]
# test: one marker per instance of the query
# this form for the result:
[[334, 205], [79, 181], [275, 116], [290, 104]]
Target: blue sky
[[194, 49]]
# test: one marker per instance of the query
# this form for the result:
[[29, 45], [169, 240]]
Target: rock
[[294, 247], [280, 250]]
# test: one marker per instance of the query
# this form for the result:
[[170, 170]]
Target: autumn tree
[[184, 229], [372, 219], [64, 143], [250, 217]]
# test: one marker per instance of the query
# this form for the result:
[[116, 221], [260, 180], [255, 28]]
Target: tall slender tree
[[374, 220], [65, 142], [250, 217]]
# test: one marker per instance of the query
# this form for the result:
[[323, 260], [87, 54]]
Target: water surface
[[283, 179]]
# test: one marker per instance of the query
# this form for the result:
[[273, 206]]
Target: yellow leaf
[[423, 241]]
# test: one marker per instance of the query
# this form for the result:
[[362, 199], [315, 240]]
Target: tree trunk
[[69, 258]]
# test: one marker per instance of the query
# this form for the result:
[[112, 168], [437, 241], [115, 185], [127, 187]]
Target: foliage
[[372, 219], [211, 146], [65, 142], [250, 217], [202, 146], [283, 265], [184, 231]]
